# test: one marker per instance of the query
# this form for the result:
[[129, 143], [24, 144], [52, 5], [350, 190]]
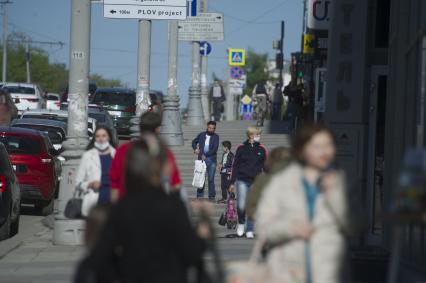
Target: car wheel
[[5, 229], [45, 208], [14, 229]]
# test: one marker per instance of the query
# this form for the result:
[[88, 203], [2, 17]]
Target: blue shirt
[[105, 189]]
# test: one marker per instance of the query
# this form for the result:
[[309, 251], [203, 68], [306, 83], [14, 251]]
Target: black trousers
[[224, 184]]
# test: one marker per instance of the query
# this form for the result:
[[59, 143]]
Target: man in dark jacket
[[205, 145], [249, 162]]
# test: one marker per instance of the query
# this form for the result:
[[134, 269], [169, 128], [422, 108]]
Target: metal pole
[[4, 8], [282, 51], [204, 72], [69, 231], [171, 128], [195, 108], [143, 80], [230, 98], [27, 59]]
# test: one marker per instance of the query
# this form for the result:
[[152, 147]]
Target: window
[[123, 99], [381, 39], [20, 89], [21, 145]]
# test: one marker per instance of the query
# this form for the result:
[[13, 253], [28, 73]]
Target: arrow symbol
[[218, 17], [113, 11], [180, 27]]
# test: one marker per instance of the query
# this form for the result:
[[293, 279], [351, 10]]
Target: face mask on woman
[[256, 139], [102, 146]]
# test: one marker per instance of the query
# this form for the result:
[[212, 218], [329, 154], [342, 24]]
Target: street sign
[[205, 26], [237, 57], [308, 43], [240, 83], [237, 72], [319, 14], [205, 48], [192, 8], [146, 9]]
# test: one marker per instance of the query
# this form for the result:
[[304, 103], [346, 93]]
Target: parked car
[[10, 201], [103, 118], [53, 101], [36, 166], [120, 103], [58, 115], [92, 89], [26, 96], [55, 130]]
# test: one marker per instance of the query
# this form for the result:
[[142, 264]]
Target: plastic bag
[[199, 174]]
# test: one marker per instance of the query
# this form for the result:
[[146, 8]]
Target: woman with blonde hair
[[303, 213], [249, 162]]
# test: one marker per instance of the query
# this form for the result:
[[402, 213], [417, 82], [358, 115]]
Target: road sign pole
[[195, 108], [4, 8], [68, 231], [143, 78], [204, 75], [171, 128], [282, 52]]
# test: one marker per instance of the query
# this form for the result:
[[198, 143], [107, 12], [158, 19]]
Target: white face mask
[[256, 139], [102, 146]]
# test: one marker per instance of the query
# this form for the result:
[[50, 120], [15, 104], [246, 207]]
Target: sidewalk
[[37, 260]]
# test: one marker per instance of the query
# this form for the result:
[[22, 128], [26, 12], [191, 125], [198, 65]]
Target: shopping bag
[[199, 174], [73, 207], [90, 199]]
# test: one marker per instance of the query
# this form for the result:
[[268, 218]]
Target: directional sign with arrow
[[205, 48]]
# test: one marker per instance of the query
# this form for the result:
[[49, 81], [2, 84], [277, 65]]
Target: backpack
[[260, 89]]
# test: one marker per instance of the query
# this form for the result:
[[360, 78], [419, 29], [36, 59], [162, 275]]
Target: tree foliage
[[52, 77], [102, 82], [256, 68]]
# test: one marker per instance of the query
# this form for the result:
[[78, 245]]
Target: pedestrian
[[276, 161], [277, 102], [303, 213], [8, 110], [217, 96], [95, 164], [148, 236], [226, 169], [150, 123], [249, 162], [260, 99], [294, 111], [205, 145]]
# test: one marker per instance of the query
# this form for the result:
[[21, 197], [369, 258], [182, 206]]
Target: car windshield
[[46, 116], [111, 98], [100, 118], [21, 145], [55, 135], [52, 97], [20, 89]]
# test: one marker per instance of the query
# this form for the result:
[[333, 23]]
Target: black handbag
[[222, 219], [73, 207]]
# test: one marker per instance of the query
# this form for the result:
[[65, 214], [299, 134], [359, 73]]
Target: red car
[[36, 166]]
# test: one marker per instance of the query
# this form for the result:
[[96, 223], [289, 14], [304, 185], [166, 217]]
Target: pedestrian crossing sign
[[236, 57]]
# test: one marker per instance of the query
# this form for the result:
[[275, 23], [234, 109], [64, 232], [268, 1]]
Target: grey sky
[[248, 24]]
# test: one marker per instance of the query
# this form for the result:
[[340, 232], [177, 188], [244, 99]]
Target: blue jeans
[[211, 171], [243, 189]]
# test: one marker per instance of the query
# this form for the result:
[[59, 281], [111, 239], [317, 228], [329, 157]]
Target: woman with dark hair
[[93, 172], [303, 213], [148, 236]]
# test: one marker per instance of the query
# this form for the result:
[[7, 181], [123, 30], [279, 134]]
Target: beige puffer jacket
[[282, 206]]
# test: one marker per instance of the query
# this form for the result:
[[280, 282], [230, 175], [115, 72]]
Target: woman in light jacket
[[93, 172], [303, 214]]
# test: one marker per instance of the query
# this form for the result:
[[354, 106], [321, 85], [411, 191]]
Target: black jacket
[[228, 163], [249, 162], [147, 238]]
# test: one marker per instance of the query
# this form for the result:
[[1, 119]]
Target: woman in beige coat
[[303, 213]]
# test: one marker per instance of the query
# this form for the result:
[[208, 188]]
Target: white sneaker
[[250, 235], [240, 230]]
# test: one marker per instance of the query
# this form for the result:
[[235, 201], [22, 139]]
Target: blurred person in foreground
[[8, 110], [95, 164], [304, 214], [148, 236], [277, 160], [249, 162], [149, 124]]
